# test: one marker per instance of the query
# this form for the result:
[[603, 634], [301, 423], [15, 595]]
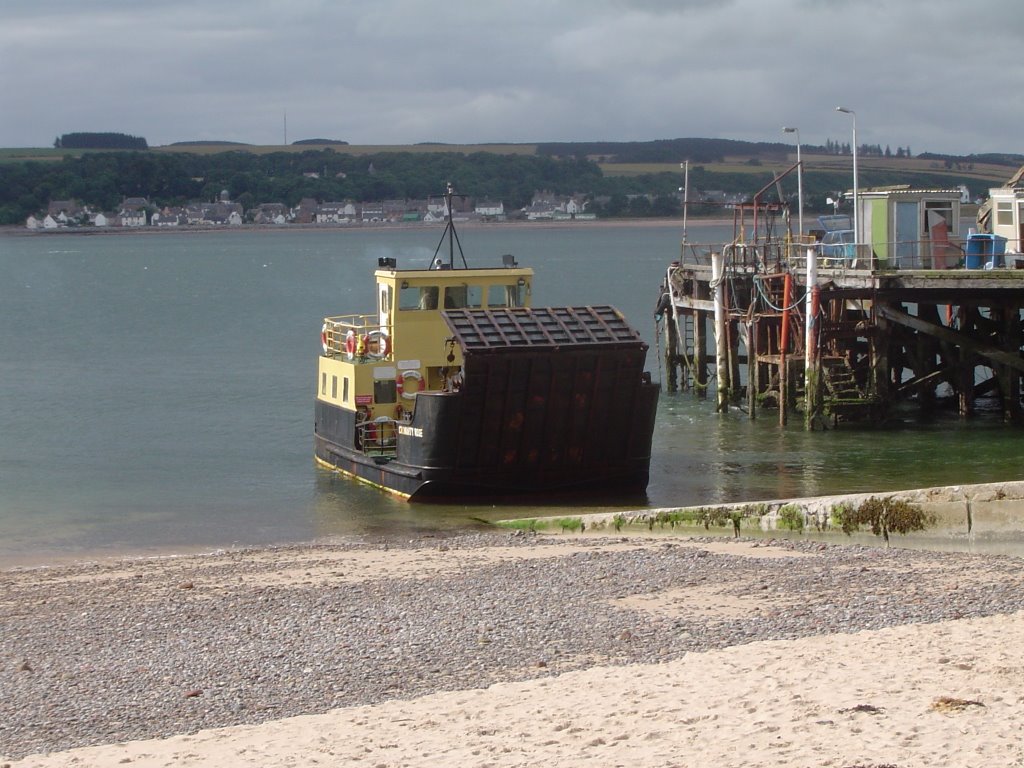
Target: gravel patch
[[116, 651]]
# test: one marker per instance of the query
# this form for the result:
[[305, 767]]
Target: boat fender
[[405, 391], [323, 339], [350, 344]]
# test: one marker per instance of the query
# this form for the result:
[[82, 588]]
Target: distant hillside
[[1012, 161], [662, 150], [209, 144], [613, 178], [328, 142]]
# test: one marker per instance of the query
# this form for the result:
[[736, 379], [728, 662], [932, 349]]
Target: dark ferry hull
[[454, 451], [439, 484]]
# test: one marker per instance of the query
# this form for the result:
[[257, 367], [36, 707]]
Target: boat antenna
[[450, 233]]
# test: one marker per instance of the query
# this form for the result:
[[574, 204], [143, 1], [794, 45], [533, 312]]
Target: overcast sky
[[934, 75]]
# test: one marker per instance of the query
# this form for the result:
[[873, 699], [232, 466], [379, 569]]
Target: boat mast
[[686, 194], [450, 233]]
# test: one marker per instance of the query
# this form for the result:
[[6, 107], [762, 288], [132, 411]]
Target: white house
[[489, 208], [1007, 216], [572, 207], [539, 211], [335, 213], [131, 218]]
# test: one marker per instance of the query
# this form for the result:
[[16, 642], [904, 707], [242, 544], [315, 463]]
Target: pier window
[[1004, 214], [943, 208]]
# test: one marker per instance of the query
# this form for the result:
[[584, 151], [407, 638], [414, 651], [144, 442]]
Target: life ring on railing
[[323, 339], [377, 344], [350, 344], [410, 374]]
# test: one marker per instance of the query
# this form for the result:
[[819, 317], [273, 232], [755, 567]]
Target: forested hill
[[104, 179], [615, 178]]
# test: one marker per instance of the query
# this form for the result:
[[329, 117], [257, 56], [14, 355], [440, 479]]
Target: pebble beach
[[512, 649]]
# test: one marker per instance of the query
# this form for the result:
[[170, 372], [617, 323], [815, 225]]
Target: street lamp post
[[856, 203], [799, 183]]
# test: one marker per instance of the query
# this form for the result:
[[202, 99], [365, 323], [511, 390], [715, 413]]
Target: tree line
[[82, 140]]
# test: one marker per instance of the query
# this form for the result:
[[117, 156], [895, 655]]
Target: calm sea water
[[157, 390]]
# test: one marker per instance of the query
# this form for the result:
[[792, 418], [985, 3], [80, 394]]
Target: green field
[[989, 172]]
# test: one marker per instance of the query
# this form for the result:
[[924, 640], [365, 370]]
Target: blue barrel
[[979, 250]]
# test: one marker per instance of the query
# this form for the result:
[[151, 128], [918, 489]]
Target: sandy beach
[[517, 650]]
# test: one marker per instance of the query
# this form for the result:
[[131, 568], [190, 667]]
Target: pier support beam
[[721, 331], [752, 365], [700, 351], [672, 347], [812, 371]]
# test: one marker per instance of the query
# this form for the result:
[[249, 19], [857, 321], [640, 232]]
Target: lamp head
[[844, 109], [787, 129]]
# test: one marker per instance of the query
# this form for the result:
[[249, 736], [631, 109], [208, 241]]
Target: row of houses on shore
[[139, 212]]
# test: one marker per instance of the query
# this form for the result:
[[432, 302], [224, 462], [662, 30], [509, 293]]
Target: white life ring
[[381, 341], [410, 374], [350, 344], [323, 339]]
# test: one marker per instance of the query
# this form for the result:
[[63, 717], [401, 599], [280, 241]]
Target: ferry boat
[[455, 388]]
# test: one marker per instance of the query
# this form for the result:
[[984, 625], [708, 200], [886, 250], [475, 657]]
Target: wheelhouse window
[[463, 297], [417, 297], [513, 295]]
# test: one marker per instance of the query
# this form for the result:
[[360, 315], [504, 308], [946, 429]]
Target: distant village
[[137, 212]]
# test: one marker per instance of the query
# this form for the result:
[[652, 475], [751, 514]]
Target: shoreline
[[511, 650], [996, 508]]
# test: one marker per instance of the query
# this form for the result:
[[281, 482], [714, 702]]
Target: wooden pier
[[777, 326]]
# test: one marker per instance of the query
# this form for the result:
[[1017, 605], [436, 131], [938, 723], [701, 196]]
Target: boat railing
[[358, 337], [379, 437]]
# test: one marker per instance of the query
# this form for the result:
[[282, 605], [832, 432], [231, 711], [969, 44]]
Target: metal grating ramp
[[480, 330]]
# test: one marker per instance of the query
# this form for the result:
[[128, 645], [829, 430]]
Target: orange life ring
[[350, 344], [377, 344], [410, 374]]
